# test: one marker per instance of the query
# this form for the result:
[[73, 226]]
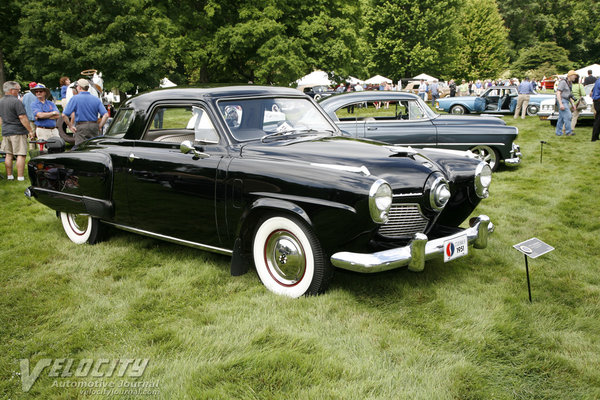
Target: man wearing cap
[[15, 127], [45, 113], [563, 99], [86, 108]]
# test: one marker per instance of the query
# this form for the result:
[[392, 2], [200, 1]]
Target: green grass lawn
[[463, 330]]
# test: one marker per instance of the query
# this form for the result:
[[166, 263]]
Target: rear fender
[[73, 182]]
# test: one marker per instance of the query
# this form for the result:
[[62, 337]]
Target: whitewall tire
[[288, 257], [81, 228]]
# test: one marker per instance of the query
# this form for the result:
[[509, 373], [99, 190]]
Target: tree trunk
[[2, 76]]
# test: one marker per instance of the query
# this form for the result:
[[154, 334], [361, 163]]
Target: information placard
[[533, 247]]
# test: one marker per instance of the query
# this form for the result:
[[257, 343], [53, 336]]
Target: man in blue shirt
[[86, 108], [45, 113], [525, 89], [28, 99], [596, 98]]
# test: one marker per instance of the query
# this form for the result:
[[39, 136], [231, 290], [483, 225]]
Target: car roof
[[366, 95], [197, 93]]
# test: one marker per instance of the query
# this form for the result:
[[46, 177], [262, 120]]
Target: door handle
[[133, 157], [371, 128]]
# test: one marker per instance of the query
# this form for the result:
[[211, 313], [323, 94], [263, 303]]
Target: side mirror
[[187, 147]]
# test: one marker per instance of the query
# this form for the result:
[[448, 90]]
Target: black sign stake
[[528, 283]]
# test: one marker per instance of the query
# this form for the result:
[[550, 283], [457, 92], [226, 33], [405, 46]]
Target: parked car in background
[[403, 118], [549, 112], [413, 87], [318, 92], [262, 174], [494, 100]]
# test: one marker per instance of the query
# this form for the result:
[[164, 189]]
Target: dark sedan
[[403, 118], [262, 174]]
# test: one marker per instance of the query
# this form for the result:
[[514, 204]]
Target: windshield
[[251, 119]]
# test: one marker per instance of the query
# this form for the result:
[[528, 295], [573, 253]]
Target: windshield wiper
[[288, 133]]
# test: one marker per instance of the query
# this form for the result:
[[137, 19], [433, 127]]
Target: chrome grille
[[404, 221]]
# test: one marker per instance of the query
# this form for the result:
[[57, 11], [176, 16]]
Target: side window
[[178, 124], [414, 111]]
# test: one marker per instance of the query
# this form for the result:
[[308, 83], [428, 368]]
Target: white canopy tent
[[425, 77], [583, 72], [166, 83], [377, 79], [354, 81], [315, 78]]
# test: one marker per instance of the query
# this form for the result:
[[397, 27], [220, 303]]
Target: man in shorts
[[15, 127]]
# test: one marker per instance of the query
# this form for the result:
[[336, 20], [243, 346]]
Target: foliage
[[119, 38], [408, 37], [572, 25], [463, 330], [482, 52], [543, 59]]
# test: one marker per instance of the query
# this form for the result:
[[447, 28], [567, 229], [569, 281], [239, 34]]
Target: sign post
[[532, 248]]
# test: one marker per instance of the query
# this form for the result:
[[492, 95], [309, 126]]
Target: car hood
[[466, 120], [402, 167]]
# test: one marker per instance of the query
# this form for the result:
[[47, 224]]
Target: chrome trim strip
[[171, 239], [362, 169], [415, 253], [407, 194]]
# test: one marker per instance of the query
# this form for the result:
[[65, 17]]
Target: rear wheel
[[82, 228], [288, 257], [487, 154], [457, 109]]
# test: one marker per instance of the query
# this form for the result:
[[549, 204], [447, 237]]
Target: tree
[[407, 37], [9, 15], [482, 52], [122, 39], [276, 41], [545, 58]]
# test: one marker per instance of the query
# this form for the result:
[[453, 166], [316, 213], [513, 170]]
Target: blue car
[[495, 100]]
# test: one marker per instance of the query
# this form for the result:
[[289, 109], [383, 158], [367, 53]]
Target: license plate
[[455, 248]]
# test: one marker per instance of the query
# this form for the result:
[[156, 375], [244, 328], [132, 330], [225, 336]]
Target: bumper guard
[[414, 255]]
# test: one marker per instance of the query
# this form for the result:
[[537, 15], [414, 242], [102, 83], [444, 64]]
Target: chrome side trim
[[415, 253], [362, 169], [171, 239], [407, 194]]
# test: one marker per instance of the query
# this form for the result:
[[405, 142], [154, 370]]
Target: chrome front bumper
[[414, 255], [515, 155]]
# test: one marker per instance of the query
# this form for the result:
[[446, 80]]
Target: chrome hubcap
[[285, 257], [486, 154], [78, 222]]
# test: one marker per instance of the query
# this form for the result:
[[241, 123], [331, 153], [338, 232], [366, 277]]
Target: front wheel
[[82, 228], [289, 259], [457, 110], [487, 154], [532, 109]]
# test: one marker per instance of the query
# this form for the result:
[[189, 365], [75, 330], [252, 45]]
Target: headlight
[[439, 194], [483, 178], [380, 201]]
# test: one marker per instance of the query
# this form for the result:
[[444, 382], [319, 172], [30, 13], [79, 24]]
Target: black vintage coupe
[[262, 174], [403, 118]]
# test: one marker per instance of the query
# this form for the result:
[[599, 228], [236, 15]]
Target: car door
[[172, 193]]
